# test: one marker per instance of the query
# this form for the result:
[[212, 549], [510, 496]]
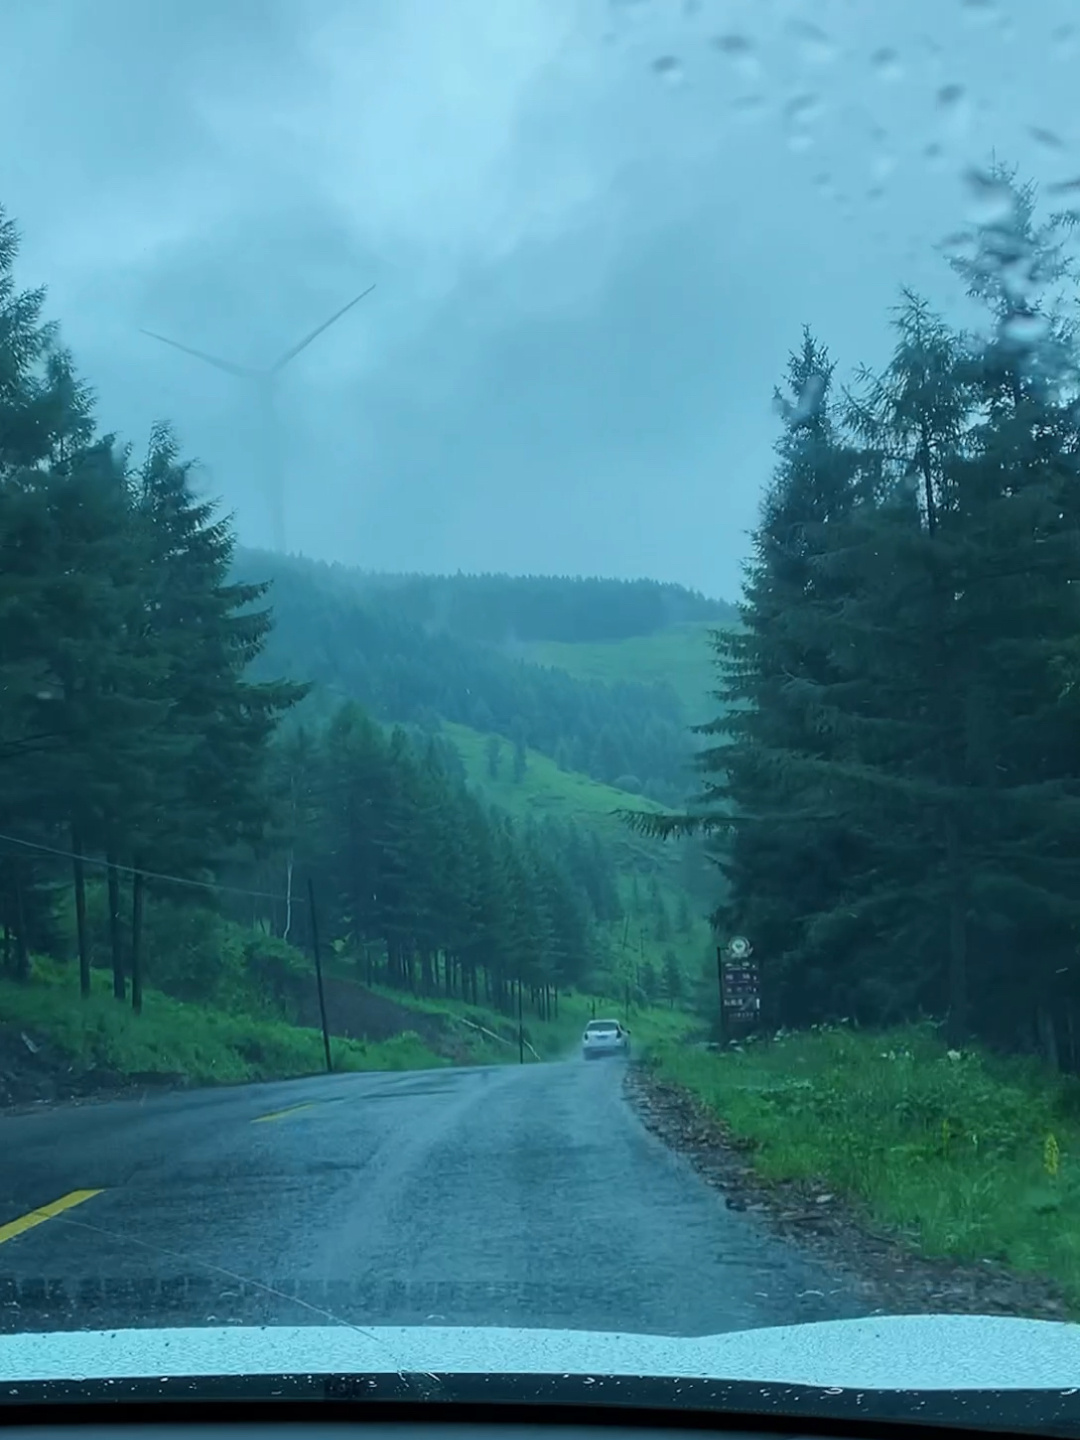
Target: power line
[[151, 874]]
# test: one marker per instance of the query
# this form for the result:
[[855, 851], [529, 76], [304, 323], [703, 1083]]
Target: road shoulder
[[889, 1275]]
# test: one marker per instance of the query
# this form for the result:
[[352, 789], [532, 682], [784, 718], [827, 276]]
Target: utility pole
[[318, 975], [521, 1027]]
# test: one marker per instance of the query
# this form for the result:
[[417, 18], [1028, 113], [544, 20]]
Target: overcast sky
[[595, 228]]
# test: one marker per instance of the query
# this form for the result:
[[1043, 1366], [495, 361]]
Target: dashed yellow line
[[45, 1212], [281, 1114]]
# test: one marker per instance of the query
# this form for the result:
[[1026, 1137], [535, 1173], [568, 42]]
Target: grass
[[208, 1046], [679, 656], [545, 790], [963, 1155], [173, 1037]]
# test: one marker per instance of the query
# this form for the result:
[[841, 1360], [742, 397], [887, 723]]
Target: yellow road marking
[[46, 1212], [280, 1114]]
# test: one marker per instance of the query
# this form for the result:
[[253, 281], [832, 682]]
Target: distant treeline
[[502, 609], [358, 644]]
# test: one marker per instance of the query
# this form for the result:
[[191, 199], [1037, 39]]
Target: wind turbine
[[265, 381]]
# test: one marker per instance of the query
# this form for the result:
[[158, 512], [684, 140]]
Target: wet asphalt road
[[526, 1196]]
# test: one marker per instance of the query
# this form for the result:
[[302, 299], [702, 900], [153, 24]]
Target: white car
[[605, 1037]]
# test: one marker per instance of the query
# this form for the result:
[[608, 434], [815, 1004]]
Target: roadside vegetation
[[961, 1154], [183, 1041]]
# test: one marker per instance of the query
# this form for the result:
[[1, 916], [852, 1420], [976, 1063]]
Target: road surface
[[526, 1196]]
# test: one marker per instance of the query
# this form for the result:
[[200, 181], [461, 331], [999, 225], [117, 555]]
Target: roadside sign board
[[740, 985]]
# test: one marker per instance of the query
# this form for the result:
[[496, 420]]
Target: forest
[[350, 637], [892, 791], [502, 609], [156, 784]]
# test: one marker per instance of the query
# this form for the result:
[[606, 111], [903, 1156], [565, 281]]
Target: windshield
[[512, 514]]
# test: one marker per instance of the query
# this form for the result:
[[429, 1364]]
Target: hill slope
[[353, 643]]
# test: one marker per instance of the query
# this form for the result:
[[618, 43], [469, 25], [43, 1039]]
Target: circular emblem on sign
[[740, 947]]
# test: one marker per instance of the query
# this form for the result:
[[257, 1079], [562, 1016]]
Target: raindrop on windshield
[[1049, 138], [669, 69], [799, 114], [814, 45], [886, 64], [1025, 329], [991, 201], [980, 11], [739, 50], [749, 107], [802, 110], [1064, 38]]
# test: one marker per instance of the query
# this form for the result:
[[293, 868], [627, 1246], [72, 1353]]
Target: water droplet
[[669, 69], [809, 397], [799, 114], [886, 64], [802, 110], [950, 96], [749, 107], [740, 51], [734, 45], [1025, 329], [1064, 38], [991, 201], [954, 108], [814, 45], [934, 155], [1049, 138]]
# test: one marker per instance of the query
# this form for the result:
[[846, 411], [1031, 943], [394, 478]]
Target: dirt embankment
[[893, 1279], [35, 1072]]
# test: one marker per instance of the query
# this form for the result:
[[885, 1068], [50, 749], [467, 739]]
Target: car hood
[[905, 1352]]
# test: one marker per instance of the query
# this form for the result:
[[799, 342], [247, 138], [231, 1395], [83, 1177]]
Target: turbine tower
[[265, 382]]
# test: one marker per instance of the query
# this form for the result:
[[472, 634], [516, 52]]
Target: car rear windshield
[[602, 1027]]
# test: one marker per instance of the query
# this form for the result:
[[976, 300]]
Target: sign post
[[740, 987]]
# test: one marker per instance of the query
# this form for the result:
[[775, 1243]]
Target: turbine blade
[[303, 344], [244, 371]]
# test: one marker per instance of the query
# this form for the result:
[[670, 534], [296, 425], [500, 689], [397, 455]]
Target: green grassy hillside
[[679, 656]]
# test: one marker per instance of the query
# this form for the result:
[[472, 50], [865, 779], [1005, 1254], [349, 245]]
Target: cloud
[[592, 251]]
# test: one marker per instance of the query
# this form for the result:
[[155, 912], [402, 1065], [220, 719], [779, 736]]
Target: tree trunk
[[1047, 1033], [116, 933], [957, 1029], [81, 936], [138, 885], [22, 945]]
